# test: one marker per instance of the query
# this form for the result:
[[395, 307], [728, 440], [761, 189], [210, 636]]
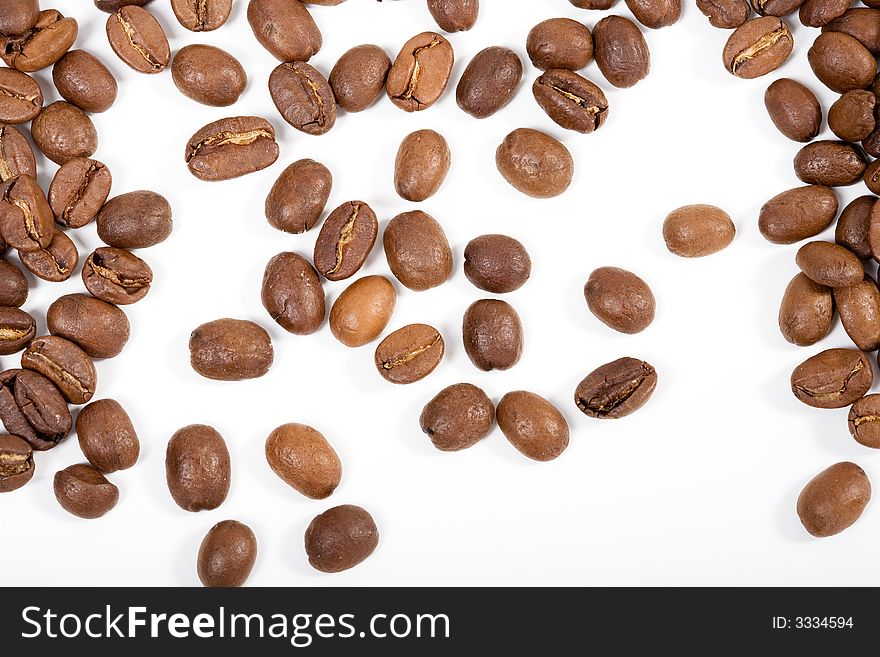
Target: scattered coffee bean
[[358, 78], [113, 5], [208, 75], [298, 197], [106, 436], [593, 4], [116, 276], [231, 147], [459, 417], [829, 264], [834, 499], [758, 47], [21, 98], [655, 14], [862, 24], [497, 263], [863, 421], [16, 154], [854, 224], [616, 389], [56, 262], [345, 240], [13, 285], [572, 101], [84, 492], [621, 51], [816, 13], [535, 163], [489, 82], [292, 294], [794, 109], [16, 463], [135, 220], [64, 364], [17, 329], [63, 131], [806, 313], [303, 97], [420, 73], [138, 39], [42, 45], [841, 63], [202, 15], [18, 16], [859, 309], [340, 538], [32, 408], [454, 15], [231, 350], [286, 29], [409, 354], [560, 43], [776, 7], [851, 117], [78, 191], [725, 14], [620, 299], [417, 250], [797, 214], [533, 425], [100, 328], [227, 555], [694, 231], [872, 177], [831, 163], [492, 334], [833, 378], [363, 310], [422, 163], [26, 220], [304, 460], [197, 468], [84, 81]]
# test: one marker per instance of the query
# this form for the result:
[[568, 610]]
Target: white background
[[698, 487]]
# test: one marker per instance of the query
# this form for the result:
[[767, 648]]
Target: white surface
[[698, 487]]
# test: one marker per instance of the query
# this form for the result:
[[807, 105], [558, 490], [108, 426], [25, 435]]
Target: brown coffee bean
[[834, 499], [831, 163], [497, 263], [18, 16], [13, 285], [533, 425], [106, 436], [208, 75], [420, 73], [489, 82], [794, 109], [100, 328], [862, 24], [26, 221], [492, 335], [303, 97], [231, 350], [135, 220], [56, 262], [292, 294], [197, 468], [21, 98], [560, 43], [872, 177], [459, 417], [871, 143], [833, 378], [616, 389], [816, 13], [84, 81], [16, 463], [841, 63], [138, 39], [78, 191], [84, 492], [859, 309], [806, 313], [726, 14], [113, 5], [655, 14], [362, 311], [202, 15], [42, 45], [851, 117], [298, 197], [64, 364], [63, 131], [227, 555], [340, 538], [304, 460], [535, 163], [454, 15], [853, 225], [16, 154], [231, 147], [593, 4], [358, 78], [776, 7], [33, 409], [422, 163], [621, 51], [345, 240], [863, 421], [829, 264], [572, 101], [417, 250], [409, 354], [116, 276], [620, 299], [797, 214], [758, 47], [694, 231], [17, 329], [286, 29]]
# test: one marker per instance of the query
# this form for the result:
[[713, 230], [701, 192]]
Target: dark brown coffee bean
[[417, 250], [32, 408], [227, 555], [489, 82], [694, 231], [616, 389], [492, 335], [231, 147], [292, 294], [358, 78], [26, 221], [829, 264], [18, 16], [833, 378], [459, 417], [16, 154], [806, 313], [135, 220], [862, 24], [409, 354], [304, 460], [621, 51], [64, 364], [298, 197], [231, 350], [16, 463], [841, 63], [362, 311], [78, 191], [113, 5], [84, 492], [776, 7], [106, 436], [533, 425], [138, 39], [655, 14], [197, 468], [758, 47], [303, 97], [853, 225], [454, 15], [84, 81], [13, 285], [208, 75], [420, 73], [797, 214], [286, 29], [816, 13], [572, 101], [497, 263], [56, 262], [340, 538], [834, 499], [859, 309], [116, 276], [726, 14], [535, 163], [831, 163], [202, 15], [560, 43], [63, 131], [422, 163], [620, 299], [100, 328], [851, 117], [863, 421], [872, 177], [323, 3], [17, 329], [794, 109], [21, 98], [345, 240], [42, 45]]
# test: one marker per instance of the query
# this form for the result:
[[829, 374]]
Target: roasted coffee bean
[[616, 389], [345, 240], [694, 231], [26, 221], [56, 262], [78, 191], [816, 13], [362, 311], [872, 177], [138, 39], [829, 264], [797, 214], [84, 81], [304, 460], [286, 29], [853, 226], [726, 14], [492, 335], [197, 468], [231, 350], [560, 43], [459, 417], [417, 250], [655, 14], [17, 329], [323, 3], [862, 24], [834, 499], [231, 147], [13, 285], [593, 4], [620, 299], [572, 101], [63, 131], [454, 15], [422, 163], [340, 538], [100, 328], [863, 421], [84, 492], [113, 5], [794, 109], [106, 436], [116, 276], [16, 154], [18, 16], [841, 63], [358, 78], [758, 47], [64, 364], [202, 15], [621, 51], [851, 117], [831, 163], [21, 98], [533, 425], [535, 163], [409, 354], [135, 220], [227, 555], [298, 197], [16, 463], [42, 45], [497, 263], [208, 75], [806, 313], [776, 7], [32, 408], [833, 378], [420, 73], [292, 294], [859, 309], [489, 82], [303, 97]]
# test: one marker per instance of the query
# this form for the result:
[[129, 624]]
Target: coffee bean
[[863, 421], [417, 250], [135, 220], [17, 329], [834, 499], [63, 131], [859, 309], [655, 14], [208, 75], [560, 43], [340, 538], [459, 417], [871, 143], [694, 231], [345, 240], [593, 4], [16, 463], [497, 263], [32, 408], [816, 13], [533, 425], [797, 214], [84, 492], [99, 328], [409, 354], [489, 82], [776, 7], [833, 378], [138, 39], [454, 15], [758, 47], [197, 468], [286, 29], [298, 197], [853, 225], [841, 63], [620, 299], [621, 51], [616, 389], [831, 163], [422, 163], [227, 555], [358, 78], [231, 147], [67, 366], [303, 97], [16, 154], [13, 285], [535, 163], [56, 262], [851, 117], [292, 294], [78, 191], [862, 24], [202, 15], [829, 264], [572, 101], [726, 14], [872, 177], [794, 109], [806, 313], [231, 350], [323, 3], [21, 98], [362, 311], [18, 16], [84, 81], [116, 276], [113, 5], [42, 45], [106, 436], [420, 73], [304, 460], [492, 335], [26, 221]]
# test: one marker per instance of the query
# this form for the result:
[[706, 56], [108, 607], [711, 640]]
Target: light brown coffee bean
[[417, 250], [21, 98], [304, 460], [694, 231], [409, 354], [16, 154], [806, 313], [459, 417], [423, 160], [138, 39], [863, 421], [202, 15], [292, 294], [340, 538], [106, 436], [345, 240], [84, 81], [286, 29], [231, 350], [833, 378], [829, 264], [854, 224], [99, 328], [208, 75], [655, 14], [535, 163], [363, 310], [533, 425], [84, 492], [227, 555], [725, 14], [492, 334], [56, 262], [197, 468], [758, 47], [859, 309], [116, 276], [794, 109], [358, 78], [298, 197], [834, 499], [64, 364], [42, 45], [420, 72], [797, 214], [63, 132], [78, 191], [620, 299]]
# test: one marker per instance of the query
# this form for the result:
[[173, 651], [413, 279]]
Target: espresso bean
[[726, 14], [16, 463], [84, 492], [853, 226], [227, 555], [872, 177], [533, 425], [862, 24], [806, 313], [345, 240], [409, 354], [794, 109], [831, 163], [417, 250], [231, 147], [489, 82], [298, 197], [106, 436], [454, 15], [829, 264], [459, 417], [572, 101], [497, 263], [135, 220], [834, 499], [841, 63], [67, 366], [16, 154], [851, 117], [231, 350], [116, 276], [208, 75], [113, 5], [340, 538], [358, 78], [616, 389], [362, 311], [17, 329], [286, 29], [797, 214], [758, 47], [303, 97], [18, 16], [535, 163], [776, 7], [420, 73], [78, 191], [492, 335], [620, 299], [42, 45], [99, 328], [304, 460], [197, 468], [859, 309], [816, 13], [84, 81], [560, 43], [138, 39], [655, 14], [21, 98], [33, 409], [13, 285], [833, 378], [63, 131], [621, 51], [863, 421], [56, 262], [202, 15], [292, 294], [694, 231], [26, 221], [422, 163]]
